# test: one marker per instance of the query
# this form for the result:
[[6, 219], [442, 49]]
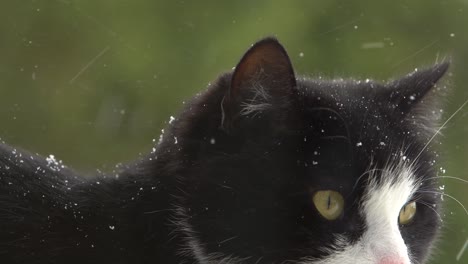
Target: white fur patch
[[381, 207], [259, 102], [382, 239]]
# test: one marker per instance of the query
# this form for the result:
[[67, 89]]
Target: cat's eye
[[407, 213], [329, 204]]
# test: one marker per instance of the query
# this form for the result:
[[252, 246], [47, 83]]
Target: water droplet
[[171, 119]]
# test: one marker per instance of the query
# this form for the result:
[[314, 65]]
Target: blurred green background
[[93, 82]]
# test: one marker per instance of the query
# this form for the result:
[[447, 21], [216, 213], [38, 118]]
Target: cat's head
[[273, 168]]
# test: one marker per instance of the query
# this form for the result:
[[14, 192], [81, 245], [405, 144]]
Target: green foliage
[[93, 82]]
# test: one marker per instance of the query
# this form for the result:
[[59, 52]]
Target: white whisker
[[449, 196], [432, 208], [228, 239], [440, 129], [446, 177]]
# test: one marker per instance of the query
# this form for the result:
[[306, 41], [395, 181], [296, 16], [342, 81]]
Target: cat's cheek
[[382, 241]]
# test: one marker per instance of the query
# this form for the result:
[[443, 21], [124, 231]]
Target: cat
[[262, 167]]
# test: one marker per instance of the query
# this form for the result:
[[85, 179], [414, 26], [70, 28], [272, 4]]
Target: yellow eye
[[407, 213], [329, 203]]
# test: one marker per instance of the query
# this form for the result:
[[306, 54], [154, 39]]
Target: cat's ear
[[406, 93], [262, 82]]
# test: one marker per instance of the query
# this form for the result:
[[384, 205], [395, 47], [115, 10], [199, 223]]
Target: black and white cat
[[262, 167]]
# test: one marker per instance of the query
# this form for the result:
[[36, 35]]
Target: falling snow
[[53, 164], [171, 119], [462, 250], [161, 137]]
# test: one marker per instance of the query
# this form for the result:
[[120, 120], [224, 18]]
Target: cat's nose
[[392, 260]]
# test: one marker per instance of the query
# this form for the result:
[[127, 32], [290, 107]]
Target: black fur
[[240, 178]]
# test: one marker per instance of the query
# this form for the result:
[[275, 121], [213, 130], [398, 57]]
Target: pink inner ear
[[266, 63]]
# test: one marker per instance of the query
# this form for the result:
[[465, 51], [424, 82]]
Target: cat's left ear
[[261, 85], [411, 90]]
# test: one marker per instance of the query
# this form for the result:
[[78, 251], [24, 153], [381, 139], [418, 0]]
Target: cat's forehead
[[349, 130], [355, 111], [341, 94]]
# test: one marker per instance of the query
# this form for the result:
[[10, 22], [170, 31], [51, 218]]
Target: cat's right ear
[[261, 86], [407, 93]]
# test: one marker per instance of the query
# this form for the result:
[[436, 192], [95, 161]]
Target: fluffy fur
[[237, 187]]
